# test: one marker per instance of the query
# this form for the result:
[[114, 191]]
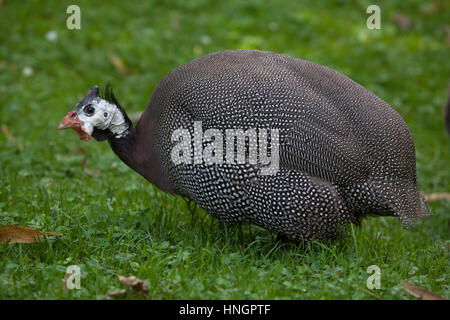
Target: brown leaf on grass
[[419, 292], [90, 172], [138, 285], [433, 7], [447, 35], [118, 63], [133, 284], [175, 24], [116, 294], [437, 196], [402, 21], [19, 234], [6, 132]]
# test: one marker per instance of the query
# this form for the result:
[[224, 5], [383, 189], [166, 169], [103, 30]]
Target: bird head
[[97, 115]]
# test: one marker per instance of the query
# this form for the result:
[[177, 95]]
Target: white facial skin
[[102, 115]]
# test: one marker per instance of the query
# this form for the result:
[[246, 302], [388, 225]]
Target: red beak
[[71, 121]]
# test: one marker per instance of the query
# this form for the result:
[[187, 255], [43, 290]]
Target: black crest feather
[[108, 94]]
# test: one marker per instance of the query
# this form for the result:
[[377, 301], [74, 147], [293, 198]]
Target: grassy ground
[[116, 223]]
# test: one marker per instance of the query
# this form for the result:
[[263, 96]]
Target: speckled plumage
[[344, 152]]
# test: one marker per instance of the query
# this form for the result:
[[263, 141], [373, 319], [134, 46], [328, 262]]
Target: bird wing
[[323, 145]]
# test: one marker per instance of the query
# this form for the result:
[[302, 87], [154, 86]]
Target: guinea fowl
[[330, 151]]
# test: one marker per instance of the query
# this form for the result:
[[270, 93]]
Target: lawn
[[116, 223]]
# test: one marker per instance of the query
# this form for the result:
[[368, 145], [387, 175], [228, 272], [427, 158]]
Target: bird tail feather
[[403, 200]]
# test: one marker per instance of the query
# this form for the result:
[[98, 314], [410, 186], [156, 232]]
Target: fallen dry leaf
[[137, 286], [6, 132], [90, 172], [19, 234], [402, 21], [175, 24], [118, 63], [419, 292], [437, 196], [433, 8], [116, 294]]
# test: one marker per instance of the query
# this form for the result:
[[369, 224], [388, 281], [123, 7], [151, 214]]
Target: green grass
[[116, 223]]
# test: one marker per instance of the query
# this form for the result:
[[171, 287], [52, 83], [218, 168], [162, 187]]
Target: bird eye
[[105, 114], [89, 110]]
